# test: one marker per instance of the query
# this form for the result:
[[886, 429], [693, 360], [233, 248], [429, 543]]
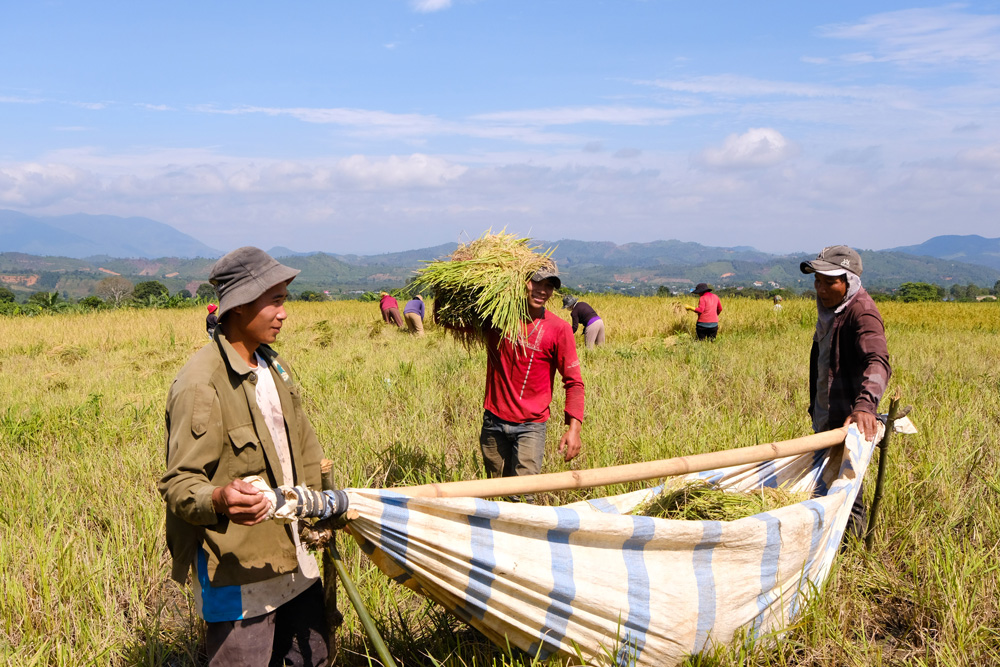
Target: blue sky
[[366, 127]]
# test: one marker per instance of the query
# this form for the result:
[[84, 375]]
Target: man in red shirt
[[519, 380]]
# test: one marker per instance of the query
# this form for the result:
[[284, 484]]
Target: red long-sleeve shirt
[[708, 308], [519, 382]]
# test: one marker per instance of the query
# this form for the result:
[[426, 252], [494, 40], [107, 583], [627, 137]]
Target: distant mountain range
[[72, 253], [971, 249], [79, 236]]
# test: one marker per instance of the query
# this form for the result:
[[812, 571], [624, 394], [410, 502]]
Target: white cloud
[[92, 106], [575, 115], [367, 203], [394, 171], [20, 100], [757, 147], [928, 36], [987, 157], [338, 116], [426, 6], [34, 184], [518, 126], [728, 85]]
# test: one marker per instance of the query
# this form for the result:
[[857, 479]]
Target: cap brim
[[550, 279], [821, 266]]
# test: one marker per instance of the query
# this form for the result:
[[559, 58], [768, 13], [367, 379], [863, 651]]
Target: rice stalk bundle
[[482, 285], [700, 501]]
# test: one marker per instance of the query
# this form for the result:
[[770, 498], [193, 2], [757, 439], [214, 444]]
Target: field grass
[[83, 566]]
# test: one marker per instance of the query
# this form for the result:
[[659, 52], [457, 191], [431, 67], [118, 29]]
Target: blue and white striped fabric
[[588, 579]]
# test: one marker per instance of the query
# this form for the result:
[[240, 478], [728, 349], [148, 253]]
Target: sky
[[387, 125]]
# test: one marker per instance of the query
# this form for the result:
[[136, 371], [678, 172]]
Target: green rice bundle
[[483, 285], [699, 501]]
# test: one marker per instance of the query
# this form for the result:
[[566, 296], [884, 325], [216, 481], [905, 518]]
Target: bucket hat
[[701, 288], [835, 260], [244, 274]]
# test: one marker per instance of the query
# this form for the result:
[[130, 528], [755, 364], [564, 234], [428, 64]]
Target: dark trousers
[[857, 524], [293, 634], [706, 332]]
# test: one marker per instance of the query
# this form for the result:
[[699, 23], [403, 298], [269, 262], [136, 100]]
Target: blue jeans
[[509, 449]]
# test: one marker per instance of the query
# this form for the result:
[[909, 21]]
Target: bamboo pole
[[359, 606], [334, 567], [883, 455], [633, 472]]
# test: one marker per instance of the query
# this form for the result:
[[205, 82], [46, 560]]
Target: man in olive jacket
[[233, 412], [849, 361]]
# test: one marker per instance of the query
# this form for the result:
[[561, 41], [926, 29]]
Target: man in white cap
[[849, 362], [233, 413]]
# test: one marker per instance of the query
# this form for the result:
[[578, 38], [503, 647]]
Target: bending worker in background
[[849, 361], [708, 311], [234, 413], [582, 313], [390, 309], [413, 311]]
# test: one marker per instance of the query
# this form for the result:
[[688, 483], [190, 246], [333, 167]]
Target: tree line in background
[[907, 292], [120, 292]]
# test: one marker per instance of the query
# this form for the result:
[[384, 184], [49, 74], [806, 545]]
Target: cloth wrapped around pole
[[588, 579]]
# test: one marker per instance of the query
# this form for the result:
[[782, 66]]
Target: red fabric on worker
[[388, 301], [519, 378], [708, 308]]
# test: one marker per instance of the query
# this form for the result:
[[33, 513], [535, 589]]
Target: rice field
[[83, 564]]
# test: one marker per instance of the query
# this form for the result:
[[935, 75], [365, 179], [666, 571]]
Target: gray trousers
[[512, 450], [293, 634]]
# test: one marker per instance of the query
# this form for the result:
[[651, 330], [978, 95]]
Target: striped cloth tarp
[[589, 581]]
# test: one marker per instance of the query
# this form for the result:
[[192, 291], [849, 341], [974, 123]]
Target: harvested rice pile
[[482, 285], [699, 501]]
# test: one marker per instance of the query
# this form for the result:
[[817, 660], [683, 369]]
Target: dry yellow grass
[[83, 569]]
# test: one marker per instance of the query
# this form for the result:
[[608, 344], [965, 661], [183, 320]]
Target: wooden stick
[[633, 472], [883, 454]]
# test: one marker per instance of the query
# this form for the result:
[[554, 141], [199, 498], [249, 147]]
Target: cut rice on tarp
[[482, 285], [700, 501]]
